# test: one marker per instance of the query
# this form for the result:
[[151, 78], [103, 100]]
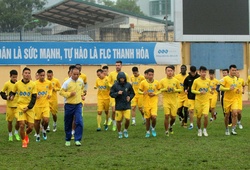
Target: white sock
[[125, 130], [114, 123], [73, 132], [54, 123], [148, 131], [153, 128], [191, 124], [10, 133], [37, 135], [110, 119], [204, 129], [44, 131], [16, 132]]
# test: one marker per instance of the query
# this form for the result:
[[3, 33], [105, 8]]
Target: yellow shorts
[[41, 112], [150, 111], [230, 105], [28, 116], [137, 101], [112, 102], [11, 113], [103, 105], [170, 108], [190, 104], [240, 103], [182, 102], [213, 101], [53, 107], [201, 108], [120, 114]]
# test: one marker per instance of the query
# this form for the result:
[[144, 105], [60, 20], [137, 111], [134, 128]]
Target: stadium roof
[[79, 13]]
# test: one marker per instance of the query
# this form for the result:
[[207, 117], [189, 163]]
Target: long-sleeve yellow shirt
[[56, 86], [7, 88], [70, 86]]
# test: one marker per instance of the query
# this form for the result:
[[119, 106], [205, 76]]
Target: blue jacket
[[121, 102]]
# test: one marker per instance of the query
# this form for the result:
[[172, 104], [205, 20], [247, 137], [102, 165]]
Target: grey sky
[[52, 2]]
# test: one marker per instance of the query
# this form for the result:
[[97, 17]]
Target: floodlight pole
[[166, 24]]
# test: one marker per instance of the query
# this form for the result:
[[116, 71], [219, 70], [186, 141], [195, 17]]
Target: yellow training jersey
[[181, 78], [135, 81], [7, 88], [169, 88], [44, 89], [112, 77], [23, 92], [226, 83], [56, 86], [150, 87], [69, 86], [83, 77], [240, 85], [248, 80], [103, 88], [213, 85], [201, 85]]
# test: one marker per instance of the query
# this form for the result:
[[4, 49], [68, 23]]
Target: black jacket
[[188, 82], [121, 102]]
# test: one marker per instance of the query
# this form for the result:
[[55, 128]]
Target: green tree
[[109, 3], [126, 5], [16, 13]]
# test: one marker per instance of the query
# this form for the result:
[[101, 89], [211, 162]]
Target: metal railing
[[138, 34]]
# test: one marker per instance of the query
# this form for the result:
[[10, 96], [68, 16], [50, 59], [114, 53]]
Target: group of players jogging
[[187, 95]]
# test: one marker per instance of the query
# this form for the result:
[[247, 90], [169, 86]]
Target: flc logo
[[162, 51], [102, 87], [24, 93], [167, 53], [42, 93]]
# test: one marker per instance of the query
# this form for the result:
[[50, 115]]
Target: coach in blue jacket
[[123, 93]]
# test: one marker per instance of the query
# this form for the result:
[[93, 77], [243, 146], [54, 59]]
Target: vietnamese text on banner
[[94, 53]]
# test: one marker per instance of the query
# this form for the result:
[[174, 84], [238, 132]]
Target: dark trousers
[[71, 111]]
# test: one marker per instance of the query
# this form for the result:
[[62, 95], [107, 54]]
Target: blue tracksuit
[[71, 110]]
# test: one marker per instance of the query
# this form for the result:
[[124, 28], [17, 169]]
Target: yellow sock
[[99, 119]]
